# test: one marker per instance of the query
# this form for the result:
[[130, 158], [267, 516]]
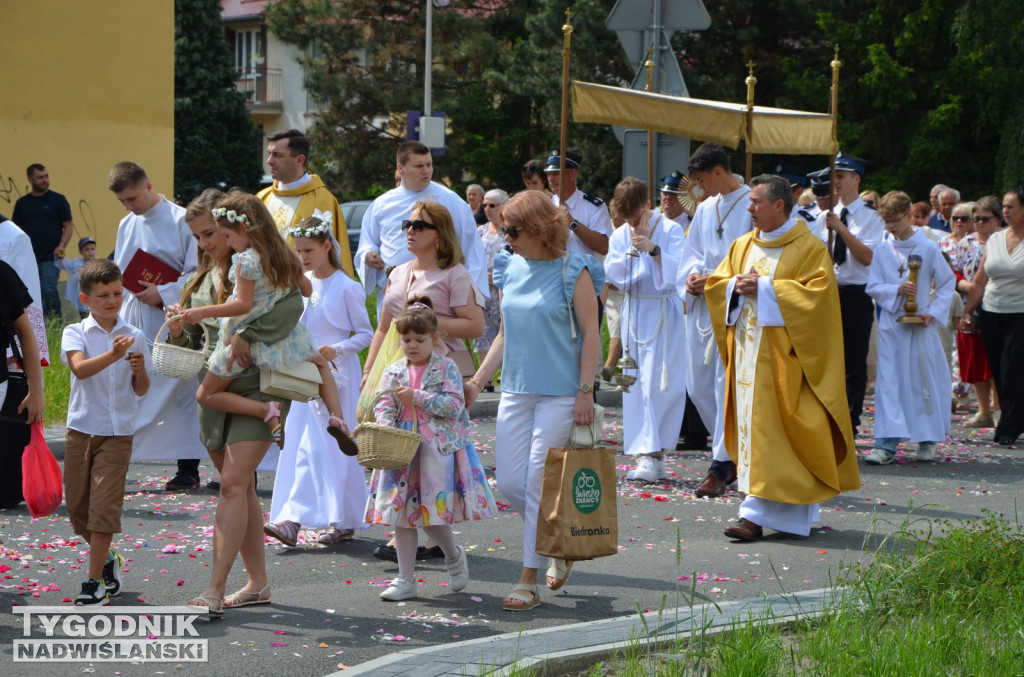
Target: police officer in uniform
[[591, 224], [857, 231]]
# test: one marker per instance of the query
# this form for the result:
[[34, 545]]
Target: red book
[[148, 268]]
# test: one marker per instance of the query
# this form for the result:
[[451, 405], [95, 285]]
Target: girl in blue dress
[[263, 270]]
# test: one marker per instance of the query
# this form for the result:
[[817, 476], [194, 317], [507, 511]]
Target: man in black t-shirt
[[45, 216]]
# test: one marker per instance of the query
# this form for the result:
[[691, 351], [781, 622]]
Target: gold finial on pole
[[563, 140], [649, 64], [751, 82], [834, 112]]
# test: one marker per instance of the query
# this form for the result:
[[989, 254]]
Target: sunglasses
[[983, 219], [418, 226], [961, 218], [511, 232], [492, 206]]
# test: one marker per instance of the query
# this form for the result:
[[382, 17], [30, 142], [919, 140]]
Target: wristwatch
[[586, 387], [573, 225], [60, 253], [656, 250]]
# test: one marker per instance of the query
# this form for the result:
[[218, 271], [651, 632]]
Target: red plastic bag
[[41, 480]]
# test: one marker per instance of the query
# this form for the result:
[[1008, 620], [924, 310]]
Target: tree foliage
[[929, 89], [215, 141]]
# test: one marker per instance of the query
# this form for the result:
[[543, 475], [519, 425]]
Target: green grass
[[56, 377], [928, 604]]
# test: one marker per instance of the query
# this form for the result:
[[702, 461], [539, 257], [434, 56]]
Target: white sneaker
[[648, 469], [879, 457], [458, 571], [926, 451], [398, 590]]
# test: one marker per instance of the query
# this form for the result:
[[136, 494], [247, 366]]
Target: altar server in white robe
[[315, 486], [643, 261], [382, 243], [718, 221], [167, 423], [913, 387]]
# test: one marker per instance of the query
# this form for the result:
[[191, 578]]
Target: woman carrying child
[[263, 270], [315, 485], [445, 482], [236, 443]]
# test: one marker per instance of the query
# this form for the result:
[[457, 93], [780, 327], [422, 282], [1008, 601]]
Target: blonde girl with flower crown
[[263, 269]]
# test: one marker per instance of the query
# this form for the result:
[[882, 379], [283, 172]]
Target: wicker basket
[[382, 447], [175, 361]]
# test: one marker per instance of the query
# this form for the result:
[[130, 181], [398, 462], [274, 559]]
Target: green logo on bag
[[586, 491]]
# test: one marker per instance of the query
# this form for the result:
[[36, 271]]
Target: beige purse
[[300, 383]]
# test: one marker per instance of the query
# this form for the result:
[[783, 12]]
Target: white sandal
[[561, 570], [528, 602]]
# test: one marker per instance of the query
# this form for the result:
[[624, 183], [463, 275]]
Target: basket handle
[[173, 318], [392, 391]]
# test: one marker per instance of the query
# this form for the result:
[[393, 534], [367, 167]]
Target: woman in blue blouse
[[546, 378]]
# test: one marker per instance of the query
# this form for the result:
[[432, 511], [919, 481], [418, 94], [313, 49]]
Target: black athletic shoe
[[112, 574], [93, 594]]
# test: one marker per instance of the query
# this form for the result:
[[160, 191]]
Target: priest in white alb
[[643, 261], [775, 310], [718, 221]]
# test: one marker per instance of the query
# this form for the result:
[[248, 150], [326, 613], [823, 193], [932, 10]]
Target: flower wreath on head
[[323, 228], [231, 215]]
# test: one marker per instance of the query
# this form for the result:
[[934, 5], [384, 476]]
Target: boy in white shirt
[[110, 363]]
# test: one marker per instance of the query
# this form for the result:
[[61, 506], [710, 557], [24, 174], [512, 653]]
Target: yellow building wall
[[86, 85]]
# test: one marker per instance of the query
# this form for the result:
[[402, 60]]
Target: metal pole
[[834, 110], [563, 140], [650, 132], [428, 62], [751, 82]]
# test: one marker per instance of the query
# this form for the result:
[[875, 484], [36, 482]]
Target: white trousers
[[705, 383], [527, 426], [786, 517]]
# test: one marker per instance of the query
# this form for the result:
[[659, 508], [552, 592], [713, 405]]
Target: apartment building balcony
[[263, 88]]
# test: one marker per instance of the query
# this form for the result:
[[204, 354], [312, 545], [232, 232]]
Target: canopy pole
[[650, 132], [834, 112], [751, 81], [563, 140]]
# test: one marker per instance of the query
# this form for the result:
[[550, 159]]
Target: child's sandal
[[276, 430], [336, 428]]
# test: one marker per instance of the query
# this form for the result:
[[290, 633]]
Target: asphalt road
[[326, 612]]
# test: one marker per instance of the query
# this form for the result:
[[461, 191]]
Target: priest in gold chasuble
[[775, 309]]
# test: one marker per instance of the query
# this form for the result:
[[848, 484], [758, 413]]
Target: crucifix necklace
[[903, 260], [721, 219]]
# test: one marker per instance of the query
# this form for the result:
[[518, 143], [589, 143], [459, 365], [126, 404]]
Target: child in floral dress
[[445, 482]]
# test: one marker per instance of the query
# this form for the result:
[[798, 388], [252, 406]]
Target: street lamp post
[[428, 128]]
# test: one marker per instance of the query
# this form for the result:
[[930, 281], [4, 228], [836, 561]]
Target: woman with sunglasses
[[494, 242], [998, 296], [438, 271], [974, 367], [548, 298]]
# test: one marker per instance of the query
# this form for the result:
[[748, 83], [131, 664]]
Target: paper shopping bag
[[578, 511]]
